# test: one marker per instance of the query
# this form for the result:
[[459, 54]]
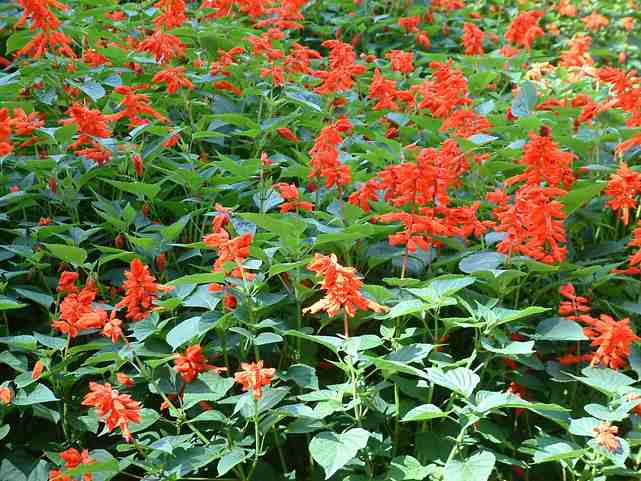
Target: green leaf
[[559, 329], [7, 303], [207, 387], [147, 418], [24, 342], [66, 253], [581, 195], [608, 381], [423, 413], [188, 330], [333, 451], [204, 278], [460, 380], [286, 227], [229, 460], [141, 190], [41, 298], [477, 467], [481, 261], [583, 426], [93, 89], [34, 394], [525, 100], [98, 467]]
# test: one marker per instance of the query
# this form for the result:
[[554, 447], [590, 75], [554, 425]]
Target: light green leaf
[[71, 254], [423, 413], [460, 380], [477, 467], [333, 451]]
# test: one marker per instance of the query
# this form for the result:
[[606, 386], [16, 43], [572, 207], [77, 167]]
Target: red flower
[[113, 329], [37, 370], [623, 187], [6, 395], [162, 46], [193, 362], [25, 124], [342, 68], [472, 39], [325, 155], [290, 194], [135, 105], [141, 291], [342, 290], [173, 13], [606, 436], [409, 24], [74, 306], [67, 282], [595, 21], [113, 408], [5, 133], [174, 78], [55, 41], [612, 339], [524, 29], [401, 61], [254, 376], [286, 133], [575, 305], [225, 85], [40, 14], [447, 91], [72, 459], [124, 379], [465, 123]]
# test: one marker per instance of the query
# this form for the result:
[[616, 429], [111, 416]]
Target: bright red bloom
[[342, 68], [325, 155], [612, 339], [447, 91], [5, 133], [575, 305], [72, 459], [94, 59], [135, 105], [465, 123], [162, 46], [192, 363], [67, 282], [25, 124], [290, 194], [545, 162], [173, 13], [113, 329], [253, 377], [623, 187], [606, 436], [141, 291], [37, 370], [6, 395], [113, 408], [96, 152], [287, 134], [124, 379], [472, 39], [342, 289], [225, 85], [595, 21], [73, 307], [40, 14], [234, 250], [524, 29], [174, 78], [409, 24], [44, 41], [401, 61], [90, 123]]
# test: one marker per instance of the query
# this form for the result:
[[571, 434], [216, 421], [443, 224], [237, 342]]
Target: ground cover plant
[[307, 240]]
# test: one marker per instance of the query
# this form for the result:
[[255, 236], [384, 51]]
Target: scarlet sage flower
[[90, 123], [342, 68], [472, 39], [342, 290], [525, 29], [228, 86], [612, 339], [401, 61], [290, 194], [6, 395], [135, 105], [139, 167], [287, 134], [595, 21], [446, 91], [192, 363], [545, 162], [94, 59], [5, 133], [141, 291], [325, 155], [38, 11], [623, 188], [25, 124], [606, 436], [465, 123], [67, 282], [37, 370], [162, 46], [113, 329], [253, 377], [566, 8], [124, 379], [42, 42], [174, 78], [230, 250], [173, 13], [409, 24], [575, 305], [73, 307], [72, 459], [113, 409]]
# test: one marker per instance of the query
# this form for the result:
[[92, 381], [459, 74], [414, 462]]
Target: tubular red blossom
[[289, 192], [162, 46], [253, 377], [447, 91], [173, 13], [287, 134], [72, 459], [325, 155], [113, 409], [342, 68], [524, 29], [5, 133], [401, 61], [38, 11], [595, 21], [74, 306], [465, 123], [141, 291], [174, 78], [135, 105], [623, 187], [125, 380], [47, 41], [25, 124], [472, 39], [192, 363], [612, 339], [342, 289], [606, 436]]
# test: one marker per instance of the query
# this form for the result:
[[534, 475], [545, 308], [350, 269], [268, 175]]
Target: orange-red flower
[[113, 329], [72, 459], [525, 29], [342, 68], [74, 306], [290, 194], [342, 289], [595, 21], [174, 78], [42, 42], [125, 380], [25, 124], [254, 376], [465, 123], [135, 105], [325, 155], [163, 46], [286, 133], [401, 61], [173, 13], [623, 187], [574, 305], [567, 9], [447, 90], [5, 133], [612, 339], [40, 14], [37, 370], [472, 39], [192, 363], [141, 291], [6, 395], [606, 436], [113, 408]]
